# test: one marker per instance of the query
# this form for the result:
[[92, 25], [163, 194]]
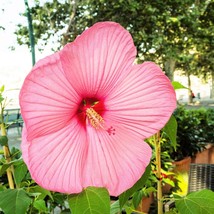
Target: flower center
[[94, 118], [92, 110]]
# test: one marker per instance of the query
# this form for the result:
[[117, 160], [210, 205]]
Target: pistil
[[94, 118]]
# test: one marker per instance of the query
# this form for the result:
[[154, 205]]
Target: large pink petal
[[143, 102], [25, 145], [69, 160], [115, 161], [98, 59], [56, 161], [47, 99]]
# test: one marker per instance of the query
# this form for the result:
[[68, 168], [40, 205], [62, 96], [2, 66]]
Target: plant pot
[[182, 165], [166, 188], [145, 203], [206, 156]]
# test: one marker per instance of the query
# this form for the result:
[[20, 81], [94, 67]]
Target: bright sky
[[14, 64]]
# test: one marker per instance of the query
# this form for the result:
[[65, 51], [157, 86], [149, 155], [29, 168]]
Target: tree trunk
[[71, 23], [190, 91], [212, 86], [169, 67]]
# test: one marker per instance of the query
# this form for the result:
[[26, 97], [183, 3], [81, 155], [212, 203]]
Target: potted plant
[[190, 136]]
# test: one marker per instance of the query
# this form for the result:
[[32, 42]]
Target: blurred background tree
[[205, 44], [177, 34]]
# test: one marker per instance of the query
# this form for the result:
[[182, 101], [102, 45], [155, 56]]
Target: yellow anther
[[94, 118]]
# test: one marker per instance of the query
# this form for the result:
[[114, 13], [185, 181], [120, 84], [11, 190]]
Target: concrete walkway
[[206, 103]]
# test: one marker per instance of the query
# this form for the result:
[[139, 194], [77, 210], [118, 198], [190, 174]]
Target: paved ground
[[206, 103]]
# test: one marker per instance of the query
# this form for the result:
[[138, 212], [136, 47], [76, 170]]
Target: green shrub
[[195, 130]]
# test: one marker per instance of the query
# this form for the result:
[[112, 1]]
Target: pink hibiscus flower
[[87, 109]]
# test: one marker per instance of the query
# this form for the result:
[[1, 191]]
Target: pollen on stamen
[[94, 118]]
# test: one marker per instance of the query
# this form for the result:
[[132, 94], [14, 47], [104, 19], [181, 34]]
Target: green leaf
[[90, 201], [143, 193], [171, 130], [3, 140], [42, 192], [4, 168], [200, 202], [1, 98], [169, 181], [2, 89], [124, 197], [128, 210], [40, 205], [173, 19], [14, 201], [178, 85], [115, 207], [20, 172], [172, 211], [137, 198], [59, 198]]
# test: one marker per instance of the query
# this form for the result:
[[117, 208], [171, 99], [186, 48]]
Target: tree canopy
[[169, 32]]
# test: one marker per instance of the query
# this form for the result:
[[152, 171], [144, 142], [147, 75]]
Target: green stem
[[158, 169], [8, 159]]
